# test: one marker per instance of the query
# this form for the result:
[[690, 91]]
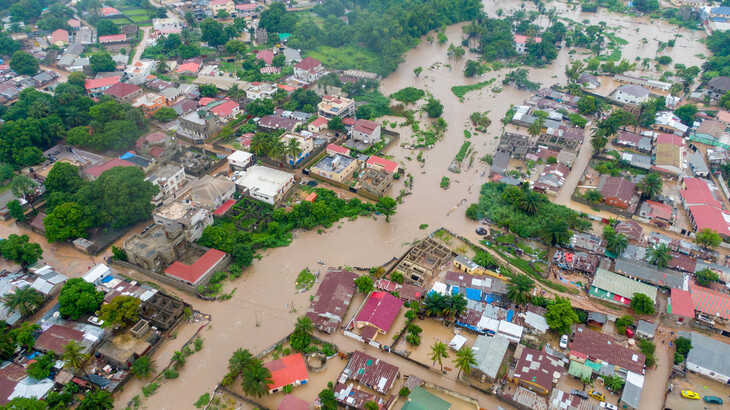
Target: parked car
[[481, 231], [712, 400], [597, 395], [689, 394], [629, 332], [564, 342], [579, 393], [608, 406]]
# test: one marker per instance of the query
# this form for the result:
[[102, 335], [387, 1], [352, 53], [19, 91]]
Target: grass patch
[[348, 57], [616, 39], [305, 279], [120, 21], [134, 12], [445, 183], [461, 90], [422, 226], [462, 151], [467, 134], [139, 19]]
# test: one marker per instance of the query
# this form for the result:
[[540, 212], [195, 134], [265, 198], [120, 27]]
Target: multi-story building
[[305, 143], [265, 184], [188, 216], [169, 178], [332, 106], [198, 126]]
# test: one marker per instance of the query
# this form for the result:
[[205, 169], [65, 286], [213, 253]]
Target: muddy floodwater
[[266, 291]]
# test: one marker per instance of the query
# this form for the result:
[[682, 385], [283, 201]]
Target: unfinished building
[[375, 183], [162, 311], [424, 261], [155, 249], [514, 144]]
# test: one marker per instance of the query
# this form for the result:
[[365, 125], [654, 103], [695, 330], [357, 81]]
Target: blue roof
[[127, 155], [108, 279], [510, 315], [721, 10], [473, 294]]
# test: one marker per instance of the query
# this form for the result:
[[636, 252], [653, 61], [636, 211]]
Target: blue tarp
[[488, 297], [454, 290], [128, 155], [108, 279], [510, 315], [474, 294]]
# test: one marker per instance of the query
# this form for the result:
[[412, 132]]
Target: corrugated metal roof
[[621, 285]]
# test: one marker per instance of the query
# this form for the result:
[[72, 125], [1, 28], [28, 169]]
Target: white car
[[564, 342], [608, 406]]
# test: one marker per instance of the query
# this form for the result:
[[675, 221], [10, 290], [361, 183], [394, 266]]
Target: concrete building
[[335, 106], [240, 160], [305, 143], [149, 103], [336, 167], [287, 371], [169, 177], [210, 192], [489, 353], [199, 272], [226, 5], [187, 216], [718, 86], [265, 184], [630, 93], [226, 111], [95, 87], [308, 70], [329, 305], [521, 41], [375, 182], [669, 153], [124, 93], [616, 191], [139, 72], [366, 131], [708, 357], [198, 126], [155, 249], [537, 371]]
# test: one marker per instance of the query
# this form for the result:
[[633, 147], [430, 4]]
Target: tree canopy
[[560, 315], [642, 304], [24, 63], [121, 311], [78, 298], [19, 249]]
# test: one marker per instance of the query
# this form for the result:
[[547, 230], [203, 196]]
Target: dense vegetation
[[719, 64]]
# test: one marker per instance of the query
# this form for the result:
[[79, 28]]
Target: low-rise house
[[169, 177], [139, 72], [97, 274], [109, 12], [211, 192], [659, 213], [275, 122], [333, 149], [589, 81], [96, 170], [335, 106], [645, 272], [711, 303], [551, 178], [381, 164], [226, 5], [489, 352], [113, 39], [258, 90], [379, 312], [338, 168], [309, 70], [367, 370], [630, 93], [150, 103], [318, 125], [697, 164], [667, 121], [190, 67], [74, 24], [156, 248], [123, 93], [708, 357], [536, 371], [637, 160], [246, 10], [618, 289], [616, 191], [522, 41], [635, 141], [366, 131], [646, 83], [96, 87], [305, 144], [265, 184], [707, 216], [710, 130], [59, 38], [226, 111], [287, 371], [329, 305], [59, 332], [240, 160], [646, 329], [266, 55], [587, 344], [198, 273], [191, 218], [467, 265], [718, 86]]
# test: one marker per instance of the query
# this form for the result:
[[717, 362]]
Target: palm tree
[[519, 288], [454, 305], [256, 379], [593, 196], [439, 351], [555, 233], [74, 357], [304, 325], [275, 149], [293, 149], [659, 255], [598, 140], [179, 358], [97, 400], [26, 300], [465, 360], [143, 367], [530, 202], [433, 304], [617, 244], [239, 361], [535, 128], [258, 143], [650, 186]]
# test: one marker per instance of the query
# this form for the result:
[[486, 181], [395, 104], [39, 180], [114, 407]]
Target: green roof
[[420, 399], [616, 284], [579, 370]]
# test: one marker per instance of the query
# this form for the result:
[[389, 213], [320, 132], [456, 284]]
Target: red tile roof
[[348, 121], [630, 228], [617, 187], [287, 370], [97, 170], [682, 303], [246, 6], [695, 183], [670, 139], [225, 109], [286, 87], [318, 122], [291, 402], [101, 82], [538, 368], [710, 302], [380, 310], [56, 337], [155, 137], [659, 210], [308, 64], [706, 216], [59, 35], [73, 23], [266, 55], [372, 372], [191, 67], [338, 149], [330, 303], [121, 90], [156, 151], [366, 126], [224, 208], [106, 11], [219, 2], [112, 38], [205, 101], [522, 39], [192, 273], [700, 197], [603, 347], [388, 166]]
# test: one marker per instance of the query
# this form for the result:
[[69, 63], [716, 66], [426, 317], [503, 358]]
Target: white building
[[264, 184], [186, 215], [306, 144], [631, 93], [708, 357], [169, 178], [138, 72], [97, 273], [240, 160], [309, 70]]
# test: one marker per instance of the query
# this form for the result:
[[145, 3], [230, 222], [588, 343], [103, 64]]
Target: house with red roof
[[226, 5], [521, 41], [190, 67], [616, 191], [291, 402], [246, 9], [226, 111], [710, 302], [223, 209], [74, 24], [378, 313], [535, 371], [308, 70], [59, 37], [95, 87], [334, 149], [124, 93], [381, 164], [113, 38], [200, 270], [366, 131], [109, 11], [707, 216], [318, 125], [96, 171], [266, 55], [600, 347], [658, 212], [287, 371]]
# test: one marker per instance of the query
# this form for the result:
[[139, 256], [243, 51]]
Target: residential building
[[169, 177], [305, 143], [110, 12], [275, 122], [697, 164], [318, 125], [633, 94], [139, 72], [366, 131], [589, 81], [191, 218], [149, 103], [74, 24], [599, 347], [659, 213], [670, 151], [198, 126], [96, 170], [631, 394], [338, 168], [650, 84], [372, 372], [420, 399], [211, 192], [335, 106], [308, 70], [199, 272], [381, 164], [265, 184], [226, 111], [165, 24], [637, 160], [124, 93], [706, 216], [616, 191], [57, 335], [618, 289], [287, 371], [712, 303], [329, 305], [96, 87], [379, 312], [708, 357], [246, 9], [258, 90], [718, 86], [333, 149], [667, 121], [631, 229], [710, 130], [266, 55], [536, 371], [635, 141], [240, 160], [551, 178], [113, 39], [645, 272], [226, 5], [59, 38], [489, 352], [190, 67], [522, 41], [155, 249]]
